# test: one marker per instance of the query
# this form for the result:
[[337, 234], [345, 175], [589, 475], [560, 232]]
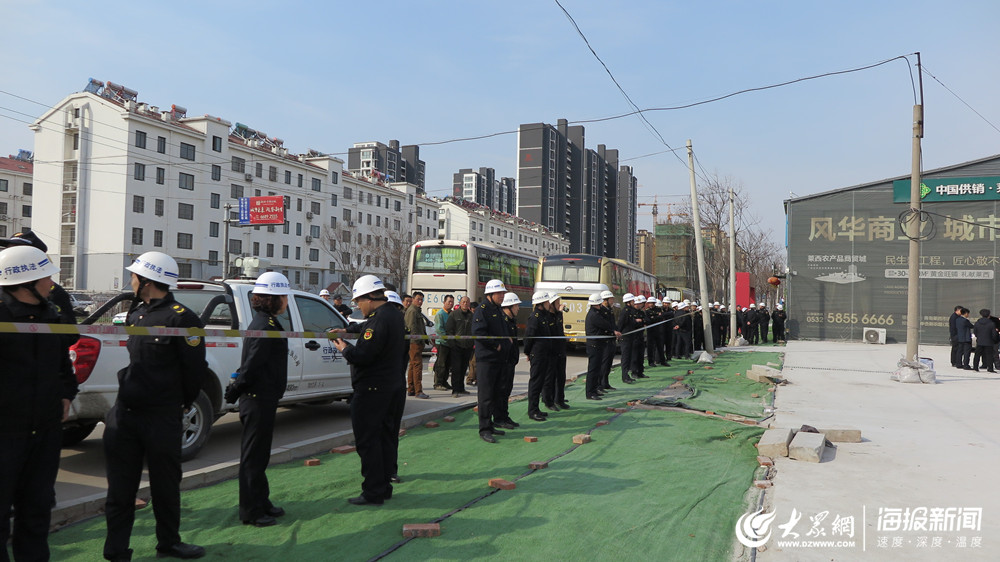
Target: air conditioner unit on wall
[[309, 240], [309, 215], [248, 177], [874, 335]]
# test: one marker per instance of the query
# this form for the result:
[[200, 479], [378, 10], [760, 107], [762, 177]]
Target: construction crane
[[655, 207]]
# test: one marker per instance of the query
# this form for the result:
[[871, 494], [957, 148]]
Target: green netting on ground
[[652, 485]]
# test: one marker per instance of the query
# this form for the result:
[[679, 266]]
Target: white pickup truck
[[317, 373]]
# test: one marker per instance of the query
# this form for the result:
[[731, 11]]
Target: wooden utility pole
[[699, 246], [913, 230]]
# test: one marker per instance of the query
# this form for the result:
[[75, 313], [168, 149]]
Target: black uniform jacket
[[598, 324], [539, 325], [264, 364], [630, 320], [378, 356], [512, 356], [36, 373], [164, 372], [557, 328], [488, 320]]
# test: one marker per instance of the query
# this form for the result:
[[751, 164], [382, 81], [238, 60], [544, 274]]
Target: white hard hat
[[779, 307], [640, 299], [716, 303], [495, 286], [722, 307], [607, 295], [366, 284], [539, 297], [324, 293], [156, 266], [393, 297], [658, 302], [510, 299], [553, 297], [685, 302], [752, 305], [628, 297], [760, 304], [595, 299], [271, 283], [24, 264]]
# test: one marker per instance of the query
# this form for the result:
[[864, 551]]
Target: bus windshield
[[570, 272], [439, 259]]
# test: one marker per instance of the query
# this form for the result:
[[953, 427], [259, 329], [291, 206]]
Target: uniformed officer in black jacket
[[682, 331], [608, 312], [763, 320], [669, 313], [511, 305], [638, 370], [599, 333], [554, 389], [57, 295], [161, 382], [491, 351], [538, 350], [627, 324], [379, 390], [263, 375], [653, 345], [36, 388]]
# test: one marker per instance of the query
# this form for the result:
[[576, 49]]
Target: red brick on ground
[[537, 465], [501, 484], [581, 439], [432, 425], [602, 422], [679, 378], [755, 395], [530, 439], [448, 419], [620, 410], [763, 483], [312, 462], [422, 530], [610, 408], [344, 449], [710, 412], [402, 432], [765, 461], [140, 503]]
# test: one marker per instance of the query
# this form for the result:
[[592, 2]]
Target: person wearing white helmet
[[600, 334], [324, 294], [763, 320], [654, 344], [377, 358], [492, 348], [57, 295], [159, 386], [750, 330], [36, 388], [778, 318], [554, 387], [259, 385], [538, 348], [511, 305], [629, 322], [683, 330], [607, 310]]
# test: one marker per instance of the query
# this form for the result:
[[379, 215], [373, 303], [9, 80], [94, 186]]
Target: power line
[[988, 122]]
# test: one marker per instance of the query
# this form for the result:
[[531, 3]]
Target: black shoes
[[628, 381], [262, 521], [275, 511], [182, 550], [513, 423], [664, 364], [505, 425], [563, 405], [487, 436], [553, 407], [537, 416], [362, 500], [461, 393], [395, 479], [642, 376], [594, 397], [609, 387], [496, 431]]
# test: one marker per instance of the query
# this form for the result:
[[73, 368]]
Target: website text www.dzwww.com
[[816, 544]]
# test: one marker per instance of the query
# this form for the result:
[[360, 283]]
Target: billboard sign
[[940, 190], [262, 210]]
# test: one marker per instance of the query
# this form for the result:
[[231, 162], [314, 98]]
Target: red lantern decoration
[[774, 281]]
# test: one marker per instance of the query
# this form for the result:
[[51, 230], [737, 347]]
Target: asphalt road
[[82, 475]]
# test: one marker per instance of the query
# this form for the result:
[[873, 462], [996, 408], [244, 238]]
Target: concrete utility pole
[[913, 230], [699, 247], [732, 268]]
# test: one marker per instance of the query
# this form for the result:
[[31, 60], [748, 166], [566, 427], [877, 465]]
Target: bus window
[[439, 259], [574, 273]]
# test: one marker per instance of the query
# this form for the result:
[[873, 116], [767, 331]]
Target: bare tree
[[392, 252], [346, 251]]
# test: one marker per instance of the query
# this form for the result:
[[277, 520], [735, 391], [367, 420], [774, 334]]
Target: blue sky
[[325, 75]]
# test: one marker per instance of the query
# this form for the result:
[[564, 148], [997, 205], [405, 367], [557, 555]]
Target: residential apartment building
[[125, 177], [579, 192], [16, 187], [646, 243], [463, 220], [483, 188], [389, 163]]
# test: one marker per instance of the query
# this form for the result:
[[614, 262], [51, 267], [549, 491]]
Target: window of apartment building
[[235, 246], [333, 177], [272, 173], [411, 218], [138, 204], [235, 191], [269, 250], [185, 211], [27, 189], [213, 257], [287, 199], [158, 207], [368, 260], [313, 254], [345, 236], [314, 277], [140, 139], [184, 270], [298, 204], [314, 231], [256, 249], [239, 165], [378, 221], [288, 177], [316, 184], [333, 222], [399, 206], [345, 257], [271, 229], [285, 228], [315, 207], [411, 199], [361, 218], [284, 251], [158, 238], [378, 200], [76, 141], [420, 211], [300, 180], [347, 215], [368, 239], [3, 185], [161, 145], [256, 193], [161, 176], [185, 241], [298, 229], [259, 170], [395, 224], [333, 199], [214, 200], [217, 144], [420, 230], [298, 253], [137, 236], [213, 230], [140, 172], [187, 151], [185, 181], [348, 193], [359, 238], [216, 172], [369, 198], [298, 276]]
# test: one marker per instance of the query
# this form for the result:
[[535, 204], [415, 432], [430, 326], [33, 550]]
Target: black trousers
[[638, 351], [778, 333], [537, 374], [627, 343], [668, 341], [682, 342], [654, 348], [442, 365], [984, 352], [488, 375], [130, 437], [956, 359], [257, 417], [595, 366], [610, 348], [459, 357], [501, 410], [28, 467], [374, 419], [763, 333], [554, 387]]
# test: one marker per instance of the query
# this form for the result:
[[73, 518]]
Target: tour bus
[[574, 277], [678, 293], [454, 267]]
